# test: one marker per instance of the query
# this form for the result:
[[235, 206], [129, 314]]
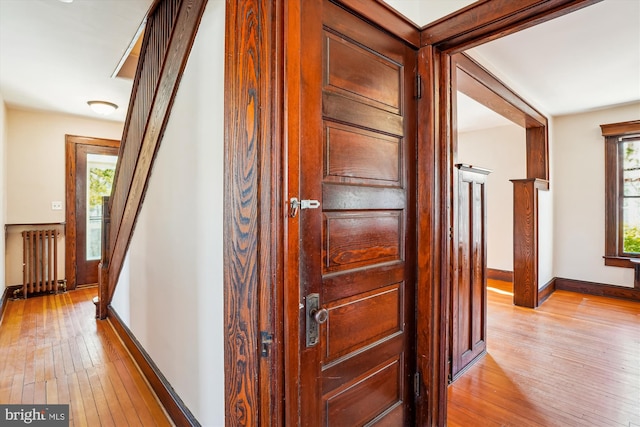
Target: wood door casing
[[469, 290], [72, 143], [358, 248], [86, 270]]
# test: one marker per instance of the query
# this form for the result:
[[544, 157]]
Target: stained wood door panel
[[347, 370], [468, 300], [350, 327], [358, 282], [363, 74], [358, 239], [383, 388], [358, 156], [346, 110], [357, 254], [361, 197]]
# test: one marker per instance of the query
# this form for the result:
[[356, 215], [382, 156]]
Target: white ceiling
[[423, 12], [582, 61], [56, 56]]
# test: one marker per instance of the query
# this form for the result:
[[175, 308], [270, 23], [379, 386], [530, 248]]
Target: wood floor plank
[[17, 384], [67, 358], [88, 399], [53, 350], [76, 403], [574, 361], [40, 394], [110, 372], [102, 406], [52, 392], [139, 402], [28, 393], [111, 397]]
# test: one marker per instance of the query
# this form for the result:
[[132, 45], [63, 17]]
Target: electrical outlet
[[56, 206]]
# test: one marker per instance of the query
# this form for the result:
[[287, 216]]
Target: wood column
[[525, 240], [103, 267]]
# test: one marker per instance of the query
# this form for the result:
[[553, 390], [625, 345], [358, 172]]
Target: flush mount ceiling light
[[66, 1], [102, 107]]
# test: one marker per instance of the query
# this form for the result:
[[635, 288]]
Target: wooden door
[[357, 248], [469, 288], [95, 166]]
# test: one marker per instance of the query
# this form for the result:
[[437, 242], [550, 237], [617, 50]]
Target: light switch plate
[[56, 206]]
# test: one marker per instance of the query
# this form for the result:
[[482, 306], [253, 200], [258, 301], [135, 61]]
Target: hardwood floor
[[53, 350], [574, 361]]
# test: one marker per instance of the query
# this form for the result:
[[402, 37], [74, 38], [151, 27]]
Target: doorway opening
[[90, 168]]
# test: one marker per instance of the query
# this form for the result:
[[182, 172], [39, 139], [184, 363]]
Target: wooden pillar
[[103, 267], [525, 240]]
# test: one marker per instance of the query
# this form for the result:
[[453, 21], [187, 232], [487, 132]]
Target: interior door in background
[[95, 169], [468, 332], [357, 245]]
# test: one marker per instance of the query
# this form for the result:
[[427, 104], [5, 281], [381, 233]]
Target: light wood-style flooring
[[574, 361], [53, 350]]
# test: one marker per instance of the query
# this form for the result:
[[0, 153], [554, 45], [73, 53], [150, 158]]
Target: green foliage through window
[[100, 181], [631, 239]]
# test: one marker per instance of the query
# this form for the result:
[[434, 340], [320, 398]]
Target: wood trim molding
[[613, 246], [253, 220], [6, 295], [616, 261], [479, 84], [545, 292], [384, 16], [435, 164], [495, 274], [622, 128], [71, 145], [600, 289], [175, 407], [494, 93], [488, 20]]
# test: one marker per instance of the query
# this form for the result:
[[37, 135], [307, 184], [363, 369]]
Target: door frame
[[263, 123], [479, 84], [476, 24], [71, 143]]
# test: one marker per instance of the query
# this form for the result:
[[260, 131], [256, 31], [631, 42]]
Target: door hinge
[[418, 86], [266, 339], [416, 384]]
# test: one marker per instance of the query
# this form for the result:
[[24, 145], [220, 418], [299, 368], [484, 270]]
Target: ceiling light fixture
[[103, 107], [66, 1]]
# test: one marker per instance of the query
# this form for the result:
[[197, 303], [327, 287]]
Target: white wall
[[170, 292], [3, 186], [35, 172], [545, 236], [503, 150], [578, 180]]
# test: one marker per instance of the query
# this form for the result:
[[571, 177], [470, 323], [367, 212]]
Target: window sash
[[613, 134]]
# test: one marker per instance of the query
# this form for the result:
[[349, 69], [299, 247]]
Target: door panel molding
[[71, 146]]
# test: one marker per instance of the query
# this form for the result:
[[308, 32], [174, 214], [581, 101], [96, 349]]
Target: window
[[622, 181]]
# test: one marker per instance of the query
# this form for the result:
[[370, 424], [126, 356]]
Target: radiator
[[40, 261]]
